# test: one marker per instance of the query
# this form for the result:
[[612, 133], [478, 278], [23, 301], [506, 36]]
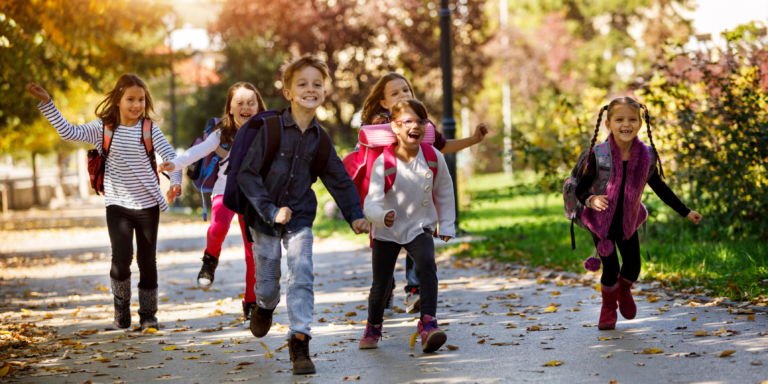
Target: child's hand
[[360, 226], [39, 92], [599, 202], [694, 216], [480, 132], [172, 192], [445, 238], [389, 219], [166, 166], [283, 216]]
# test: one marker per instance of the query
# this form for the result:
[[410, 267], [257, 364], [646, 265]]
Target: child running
[[390, 89], [131, 188], [243, 101], [614, 218], [405, 213], [285, 205]]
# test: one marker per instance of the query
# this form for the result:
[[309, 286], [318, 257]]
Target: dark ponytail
[[647, 118]]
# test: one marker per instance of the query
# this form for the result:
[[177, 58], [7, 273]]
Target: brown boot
[[261, 321], [298, 347]]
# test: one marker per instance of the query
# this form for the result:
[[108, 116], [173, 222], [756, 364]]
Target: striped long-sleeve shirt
[[129, 180]]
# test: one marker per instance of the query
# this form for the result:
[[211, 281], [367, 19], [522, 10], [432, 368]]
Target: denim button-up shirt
[[289, 182]]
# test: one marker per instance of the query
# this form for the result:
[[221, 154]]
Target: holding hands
[[39, 92], [360, 226], [166, 166]]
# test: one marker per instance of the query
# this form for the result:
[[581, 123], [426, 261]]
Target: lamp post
[[449, 123]]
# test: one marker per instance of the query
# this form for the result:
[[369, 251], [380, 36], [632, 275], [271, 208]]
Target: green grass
[[523, 226]]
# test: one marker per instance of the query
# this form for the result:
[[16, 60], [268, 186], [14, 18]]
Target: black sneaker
[[206, 275]]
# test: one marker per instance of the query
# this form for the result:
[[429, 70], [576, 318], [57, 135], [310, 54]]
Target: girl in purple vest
[[390, 89], [614, 218], [243, 101], [405, 203]]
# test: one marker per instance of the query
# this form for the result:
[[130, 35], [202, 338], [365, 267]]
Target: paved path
[[496, 315]]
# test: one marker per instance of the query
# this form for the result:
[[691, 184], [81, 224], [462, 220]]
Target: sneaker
[[389, 310], [371, 336], [247, 309], [206, 275], [432, 337], [412, 302], [298, 348]]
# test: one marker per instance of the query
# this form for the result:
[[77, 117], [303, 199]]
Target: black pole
[[449, 123], [174, 131]]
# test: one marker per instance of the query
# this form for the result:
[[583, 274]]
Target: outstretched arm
[[669, 197], [452, 146], [91, 132]]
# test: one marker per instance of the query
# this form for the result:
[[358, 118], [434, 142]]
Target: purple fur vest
[[635, 213]]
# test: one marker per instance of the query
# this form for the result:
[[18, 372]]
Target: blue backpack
[[272, 120], [204, 172]]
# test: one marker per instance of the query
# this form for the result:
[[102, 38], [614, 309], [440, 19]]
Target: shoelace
[[372, 332]]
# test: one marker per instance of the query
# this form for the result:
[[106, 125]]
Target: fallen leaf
[[608, 356], [693, 319], [652, 351], [751, 318], [150, 330], [102, 360], [555, 363], [413, 339], [757, 363], [4, 370], [452, 347], [641, 364], [506, 343], [268, 354], [242, 363], [350, 314], [700, 333], [550, 309], [350, 378], [191, 357], [171, 348], [219, 341], [163, 377], [653, 299], [481, 341], [727, 353]]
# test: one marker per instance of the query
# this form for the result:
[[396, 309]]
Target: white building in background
[[711, 18]]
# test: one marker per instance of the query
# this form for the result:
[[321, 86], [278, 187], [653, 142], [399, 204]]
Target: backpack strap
[[431, 157], [274, 127], [146, 137], [322, 155], [106, 142], [654, 162], [390, 168]]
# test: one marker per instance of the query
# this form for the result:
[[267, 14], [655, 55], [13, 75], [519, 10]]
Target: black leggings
[[422, 249], [121, 223], [630, 256]]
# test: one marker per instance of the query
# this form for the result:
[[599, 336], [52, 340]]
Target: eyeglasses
[[412, 123]]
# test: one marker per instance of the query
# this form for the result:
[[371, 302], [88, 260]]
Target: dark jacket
[[289, 183]]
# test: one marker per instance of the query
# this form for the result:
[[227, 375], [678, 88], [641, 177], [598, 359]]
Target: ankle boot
[[627, 305], [298, 347], [608, 315], [148, 309], [121, 290], [208, 270], [261, 320]]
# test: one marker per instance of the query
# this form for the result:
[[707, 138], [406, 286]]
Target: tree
[[60, 42]]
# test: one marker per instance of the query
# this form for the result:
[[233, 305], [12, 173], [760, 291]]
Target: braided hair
[[597, 130], [650, 138]]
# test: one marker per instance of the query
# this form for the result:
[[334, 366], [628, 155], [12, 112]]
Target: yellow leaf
[[555, 363], [653, 299], [171, 348], [694, 319], [597, 287], [727, 353], [219, 341], [151, 330], [555, 293], [551, 309], [350, 314], [751, 318], [102, 360], [26, 311], [191, 357], [700, 333], [268, 355], [413, 339], [164, 299], [652, 351], [4, 370]]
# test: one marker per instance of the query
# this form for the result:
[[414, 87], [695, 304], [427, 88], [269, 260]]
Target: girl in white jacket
[[243, 101], [410, 198]]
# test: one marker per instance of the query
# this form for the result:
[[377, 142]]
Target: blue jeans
[[411, 275], [300, 295]]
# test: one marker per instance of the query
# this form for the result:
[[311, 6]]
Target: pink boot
[[608, 312], [627, 305], [371, 336]]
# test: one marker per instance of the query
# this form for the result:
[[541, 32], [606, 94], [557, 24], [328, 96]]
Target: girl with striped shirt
[[131, 187]]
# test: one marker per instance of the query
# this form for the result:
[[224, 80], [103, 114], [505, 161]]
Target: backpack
[[372, 141], [97, 159], [272, 121], [574, 207], [205, 172]]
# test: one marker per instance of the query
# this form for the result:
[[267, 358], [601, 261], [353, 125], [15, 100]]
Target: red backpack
[[97, 160]]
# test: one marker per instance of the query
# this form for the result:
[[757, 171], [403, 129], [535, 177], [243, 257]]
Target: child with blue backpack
[[243, 101], [409, 199], [390, 89], [275, 178], [608, 182], [123, 167]]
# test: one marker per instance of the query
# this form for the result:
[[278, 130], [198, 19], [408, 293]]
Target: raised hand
[[39, 92], [694, 216], [283, 215], [360, 226], [389, 219], [480, 132], [166, 166]]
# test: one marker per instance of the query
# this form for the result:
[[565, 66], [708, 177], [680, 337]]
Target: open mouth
[[415, 136], [309, 98], [245, 116], [626, 131]]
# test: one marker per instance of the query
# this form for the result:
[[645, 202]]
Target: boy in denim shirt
[[286, 206]]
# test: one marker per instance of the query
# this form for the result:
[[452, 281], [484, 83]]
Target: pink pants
[[221, 219]]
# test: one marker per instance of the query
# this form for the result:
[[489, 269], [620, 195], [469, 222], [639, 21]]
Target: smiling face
[[407, 128], [624, 122], [243, 106], [395, 91], [307, 88], [132, 105]]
